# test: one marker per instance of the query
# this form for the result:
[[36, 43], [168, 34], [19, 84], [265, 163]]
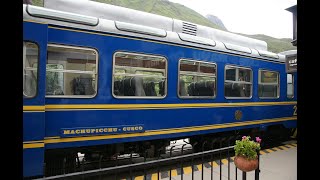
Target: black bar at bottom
[[257, 171], [244, 175]]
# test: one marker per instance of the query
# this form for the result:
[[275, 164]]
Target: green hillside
[[178, 11]]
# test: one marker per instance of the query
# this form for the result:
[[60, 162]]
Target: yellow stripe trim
[[151, 106], [269, 150], [277, 149], [187, 170], [139, 178], [33, 145], [199, 166], [214, 164], [294, 144], [224, 161], [168, 131], [154, 176], [283, 147], [174, 172], [290, 145], [34, 108], [261, 152]]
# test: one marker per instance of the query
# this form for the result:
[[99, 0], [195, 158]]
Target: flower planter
[[245, 164]]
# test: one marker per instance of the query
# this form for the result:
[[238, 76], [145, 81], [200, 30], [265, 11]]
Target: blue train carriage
[[105, 80]]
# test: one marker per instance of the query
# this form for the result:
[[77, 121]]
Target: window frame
[[141, 69], [198, 97], [259, 82], [239, 82], [75, 71], [37, 69], [291, 97]]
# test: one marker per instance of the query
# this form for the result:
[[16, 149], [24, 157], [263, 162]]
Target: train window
[[238, 82], [139, 76], [30, 57], [71, 72], [197, 79], [268, 85], [290, 87]]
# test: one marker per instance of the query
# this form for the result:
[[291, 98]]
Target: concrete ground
[[279, 163]]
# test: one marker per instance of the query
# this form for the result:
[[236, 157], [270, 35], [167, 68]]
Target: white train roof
[[116, 13], [109, 18]]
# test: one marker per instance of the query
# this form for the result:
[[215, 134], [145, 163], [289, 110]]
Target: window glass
[[30, 58], [269, 77], [268, 84], [231, 74], [139, 75], [71, 71], [197, 79], [238, 82], [290, 87]]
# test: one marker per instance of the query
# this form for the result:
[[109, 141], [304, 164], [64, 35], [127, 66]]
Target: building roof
[[292, 9]]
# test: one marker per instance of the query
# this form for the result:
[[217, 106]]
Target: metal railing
[[155, 169]]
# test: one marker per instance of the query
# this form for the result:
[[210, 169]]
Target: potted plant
[[246, 157]]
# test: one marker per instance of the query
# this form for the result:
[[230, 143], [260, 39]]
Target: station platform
[[277, 163]]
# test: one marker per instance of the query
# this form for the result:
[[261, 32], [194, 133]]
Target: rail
[[132, 170]]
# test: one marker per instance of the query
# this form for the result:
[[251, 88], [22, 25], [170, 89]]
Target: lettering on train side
[[92, 131], [295, 110]]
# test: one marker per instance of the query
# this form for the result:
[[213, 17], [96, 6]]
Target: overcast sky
[[267, 17]]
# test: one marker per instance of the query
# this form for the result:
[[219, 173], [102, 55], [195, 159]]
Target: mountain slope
[[217, 21]]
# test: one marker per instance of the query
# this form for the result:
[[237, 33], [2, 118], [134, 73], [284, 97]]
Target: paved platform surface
[[277, 163]]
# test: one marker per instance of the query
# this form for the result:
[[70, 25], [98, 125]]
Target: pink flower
[[244, 137], [258, 139]]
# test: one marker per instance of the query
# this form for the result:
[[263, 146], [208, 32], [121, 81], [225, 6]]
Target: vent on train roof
[[189, 28]]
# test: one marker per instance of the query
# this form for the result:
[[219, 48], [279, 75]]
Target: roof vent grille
[[188, 28]]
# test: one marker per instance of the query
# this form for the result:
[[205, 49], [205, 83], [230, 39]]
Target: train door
[[34, 64], [291, 96]]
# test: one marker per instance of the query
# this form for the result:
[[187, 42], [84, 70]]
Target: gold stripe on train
[[33, 145], [163, 106], [149, 106], [167, 131], [34, 108]]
